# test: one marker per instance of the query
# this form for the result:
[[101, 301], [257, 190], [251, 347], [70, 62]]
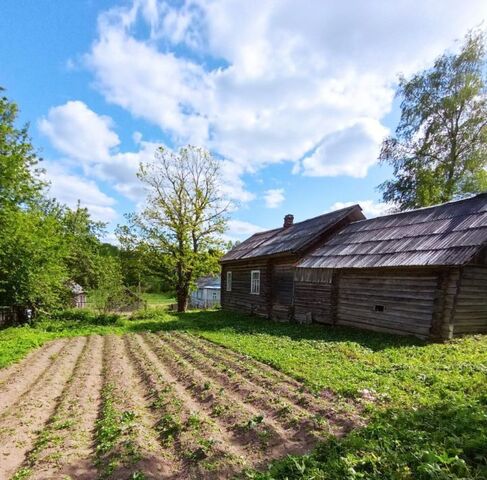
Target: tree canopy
[[439, 150], [184, 215], [44, 246]]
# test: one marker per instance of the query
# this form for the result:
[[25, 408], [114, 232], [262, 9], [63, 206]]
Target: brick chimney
[[288, 220]]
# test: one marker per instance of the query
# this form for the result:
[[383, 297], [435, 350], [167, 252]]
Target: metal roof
[[208, 282], [447, 234], [290, 239]]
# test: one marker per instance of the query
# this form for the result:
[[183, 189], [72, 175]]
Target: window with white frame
[[255, 282], [229, 281], [215, 296]]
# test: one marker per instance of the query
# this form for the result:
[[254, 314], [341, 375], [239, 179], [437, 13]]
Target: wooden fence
[[8, 316]]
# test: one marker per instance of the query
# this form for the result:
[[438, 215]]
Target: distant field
[[158, 299], [423, 404]]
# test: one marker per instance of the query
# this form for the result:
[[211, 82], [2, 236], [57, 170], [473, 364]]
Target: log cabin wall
[[399, 301], [282, 289], [445, 313], [313, 295], [470, 309], [240, 298]]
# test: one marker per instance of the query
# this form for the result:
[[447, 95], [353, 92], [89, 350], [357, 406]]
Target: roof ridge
[[314, 229], [416, 210], [329, 213], [309, 219], [412, 236], [421, 209]]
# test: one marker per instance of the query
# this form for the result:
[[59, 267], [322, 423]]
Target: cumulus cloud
[[370, 208], [274, 197], [240, 230], [78, 132], [89, 141], [69, 188], [309, 86], [350, 151], [273, 87]]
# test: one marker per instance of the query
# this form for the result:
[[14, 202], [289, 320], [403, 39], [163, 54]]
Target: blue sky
[[293, 97]]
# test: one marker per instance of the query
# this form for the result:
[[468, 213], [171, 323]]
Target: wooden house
[[207, 293], [258, 274], [78, 295], [421, 272]]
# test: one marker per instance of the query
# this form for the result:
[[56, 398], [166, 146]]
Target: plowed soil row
[[154, 406]]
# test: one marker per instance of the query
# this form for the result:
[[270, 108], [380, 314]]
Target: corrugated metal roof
[[448, 234], [208, 282], [290, 239]]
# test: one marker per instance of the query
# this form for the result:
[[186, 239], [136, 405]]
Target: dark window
[[379, 308]]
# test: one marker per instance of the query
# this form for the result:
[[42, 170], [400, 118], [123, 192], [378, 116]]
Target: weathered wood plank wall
[[470, 314], [240, 298], [397, 301]]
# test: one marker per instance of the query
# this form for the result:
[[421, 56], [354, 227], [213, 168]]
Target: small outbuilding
[[78, 295], [421, 272], [207, 293], [258, 274]]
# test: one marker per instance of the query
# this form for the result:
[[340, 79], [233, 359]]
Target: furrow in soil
[[21, 424], [128, 446], [204, 448], [249, 426], [65, 447], [341, 414], [23, 376], [306, 424]]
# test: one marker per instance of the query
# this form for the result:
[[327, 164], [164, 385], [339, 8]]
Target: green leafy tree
[[84, 249], [32, 272], [43, 245], [19, 164], [439, 150], [109, 292], [184, 215]]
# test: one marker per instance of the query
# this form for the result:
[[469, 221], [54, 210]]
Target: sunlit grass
[[428, 417]]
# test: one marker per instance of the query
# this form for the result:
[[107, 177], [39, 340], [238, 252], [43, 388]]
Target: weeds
[[426, 420], [114, 434]]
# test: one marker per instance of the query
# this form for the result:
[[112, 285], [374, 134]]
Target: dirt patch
[[65, 447], [137, 449], [24, 418], [20, 377], [167, 406]]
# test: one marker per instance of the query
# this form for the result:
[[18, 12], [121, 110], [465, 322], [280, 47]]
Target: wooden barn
[[422, 272], [258, 275]]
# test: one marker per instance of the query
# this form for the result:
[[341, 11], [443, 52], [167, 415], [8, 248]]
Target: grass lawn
[[156, 300], [428, 419]]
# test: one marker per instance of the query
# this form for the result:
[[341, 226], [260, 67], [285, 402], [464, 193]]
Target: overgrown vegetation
[[425, 405], [438, 151]]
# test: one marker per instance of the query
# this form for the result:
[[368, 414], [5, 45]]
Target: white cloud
[[274, 197], [309, 86], [69, 188], [88, 140], [272, 87], [80, 133], [240, 230], [370, 208], [350, 151]]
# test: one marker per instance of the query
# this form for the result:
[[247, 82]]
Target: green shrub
[[77, 317]]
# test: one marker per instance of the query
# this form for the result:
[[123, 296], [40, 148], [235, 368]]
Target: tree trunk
[[182, 298]]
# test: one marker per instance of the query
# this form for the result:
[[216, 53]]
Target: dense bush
[[83, 317]]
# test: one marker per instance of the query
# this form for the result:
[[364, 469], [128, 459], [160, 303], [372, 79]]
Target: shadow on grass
[[217, 320], [444, 441], [437, 442]]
